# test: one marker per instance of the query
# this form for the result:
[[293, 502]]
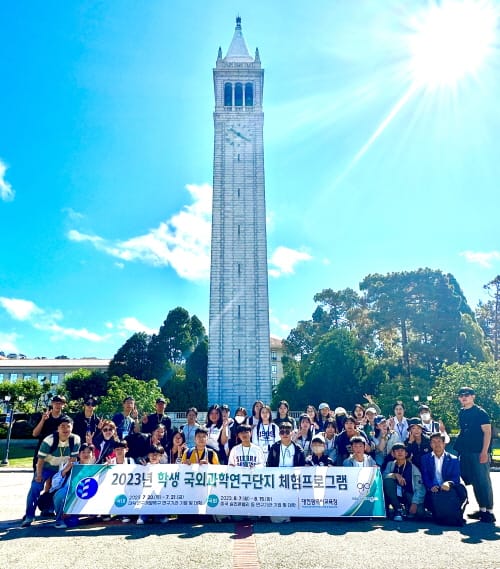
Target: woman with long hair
[[217, 435], [105, 444], [265, 433]]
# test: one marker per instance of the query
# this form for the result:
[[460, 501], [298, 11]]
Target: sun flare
[[452, 39]]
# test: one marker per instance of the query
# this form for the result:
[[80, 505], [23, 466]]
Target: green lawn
[[20, 455]]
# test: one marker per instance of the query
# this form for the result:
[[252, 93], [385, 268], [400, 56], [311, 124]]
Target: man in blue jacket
[[440, 470]]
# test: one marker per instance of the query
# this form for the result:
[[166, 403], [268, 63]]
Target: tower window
[[248, 95], [238, 95], [228, 95]]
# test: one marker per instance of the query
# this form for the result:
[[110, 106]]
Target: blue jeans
[[477, 474], [35, 491], [59, 497]]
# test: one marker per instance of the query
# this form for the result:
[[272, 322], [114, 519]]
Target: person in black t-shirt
[[473, 447]]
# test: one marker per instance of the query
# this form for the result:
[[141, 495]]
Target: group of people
[[410, 452]]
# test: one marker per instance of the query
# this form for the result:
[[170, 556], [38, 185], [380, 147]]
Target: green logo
[[121, 500], [212, 501]]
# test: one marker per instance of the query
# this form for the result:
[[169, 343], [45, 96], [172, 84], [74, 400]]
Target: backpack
[[210, 454], [46, 502], [448, 507], [55, 443]]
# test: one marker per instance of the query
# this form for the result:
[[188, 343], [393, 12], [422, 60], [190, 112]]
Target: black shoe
[[487, 517], [475, 515]]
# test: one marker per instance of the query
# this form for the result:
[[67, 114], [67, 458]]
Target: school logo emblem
[[212, 501], [87, 488]]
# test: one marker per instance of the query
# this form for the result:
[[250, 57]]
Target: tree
[[338, 370], [29, 389], [426, 308], [132, 358], [289, 388], [145, 394], [488, 315], [341, 306], [83, 383], [484, 377]]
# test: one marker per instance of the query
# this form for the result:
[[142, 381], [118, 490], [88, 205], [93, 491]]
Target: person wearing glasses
[[86, 423], [473, 448], [105, 442], [282, 454]]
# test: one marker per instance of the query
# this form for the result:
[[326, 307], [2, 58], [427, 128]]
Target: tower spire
[[238, 51]]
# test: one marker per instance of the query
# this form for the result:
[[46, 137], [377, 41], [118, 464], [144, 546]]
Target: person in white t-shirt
[[246, 454], [265, 432]]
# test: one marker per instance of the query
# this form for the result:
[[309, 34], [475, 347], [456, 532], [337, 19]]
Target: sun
[[451, 40]]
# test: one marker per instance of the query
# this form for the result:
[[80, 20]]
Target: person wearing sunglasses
[[86, 423], [473, 448], [106, 441], [285, 453]]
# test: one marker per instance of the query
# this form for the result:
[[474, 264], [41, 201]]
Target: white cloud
[[40, 319], [182, 242], [8, 343], [20, 309], [131, 324], [6, 191], [283, 261], [483, 259], [276, 324]]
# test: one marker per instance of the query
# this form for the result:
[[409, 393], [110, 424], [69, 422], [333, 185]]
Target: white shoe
[[139, 522], [60, 525], [164, 520], [125, 520]]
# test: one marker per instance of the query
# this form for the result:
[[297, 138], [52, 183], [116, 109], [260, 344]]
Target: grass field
[[20, 454]]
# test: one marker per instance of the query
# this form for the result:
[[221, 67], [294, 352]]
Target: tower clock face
[[238, 133]]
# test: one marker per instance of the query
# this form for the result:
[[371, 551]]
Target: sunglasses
[[464, 395], [285, 431], [107, 430]]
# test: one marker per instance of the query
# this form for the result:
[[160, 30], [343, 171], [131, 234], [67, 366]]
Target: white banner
[[210, 489]]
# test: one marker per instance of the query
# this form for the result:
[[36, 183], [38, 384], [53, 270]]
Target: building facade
[[239, 351]]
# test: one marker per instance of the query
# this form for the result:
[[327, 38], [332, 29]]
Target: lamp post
[[10, 421]]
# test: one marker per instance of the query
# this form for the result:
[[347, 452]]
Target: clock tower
[[239, 340]]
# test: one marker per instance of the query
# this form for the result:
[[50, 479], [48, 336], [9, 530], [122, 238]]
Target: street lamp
[[10, 422], [416, 398]]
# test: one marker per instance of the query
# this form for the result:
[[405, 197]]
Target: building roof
[[238, 51], [20, 365]]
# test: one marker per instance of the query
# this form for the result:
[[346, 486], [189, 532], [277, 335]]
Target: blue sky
[[381, 152]]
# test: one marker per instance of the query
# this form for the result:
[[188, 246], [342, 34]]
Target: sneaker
[[60, 525], [398, 517], [475, 515], [164, 520], [27, 522], [487, 517], [139, 522], [125, 520]]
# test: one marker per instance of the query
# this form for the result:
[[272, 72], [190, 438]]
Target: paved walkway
[[302, 544]]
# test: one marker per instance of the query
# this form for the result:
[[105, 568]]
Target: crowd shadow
[[189, 527]]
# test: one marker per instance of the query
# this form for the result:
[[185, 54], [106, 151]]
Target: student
[[127, 422], [49, 421], [177, 448], [256, 407], [105, 442], [155, 454], [399, 423], [330, 435], [191, 425], [246, 454], [324, 415], [418, 443], [151, 421], [343, 440], [285, 453], [55, 450], [283, 415], [265, 432], [217, 432], [200, 453], [358, 455], [403, 487], [60, 481], [304, 435], [318, 456], [86, 423]]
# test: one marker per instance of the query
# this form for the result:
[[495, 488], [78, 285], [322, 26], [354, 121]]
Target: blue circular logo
[[87, 488], [121, 500], [212, 501]]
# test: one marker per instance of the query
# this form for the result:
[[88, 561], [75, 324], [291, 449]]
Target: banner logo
[[87, 488]]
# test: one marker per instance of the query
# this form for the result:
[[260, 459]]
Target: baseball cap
[[160, 400], [466, 391], [58, 399], [398, 446], [318, 439], [323, 406]]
